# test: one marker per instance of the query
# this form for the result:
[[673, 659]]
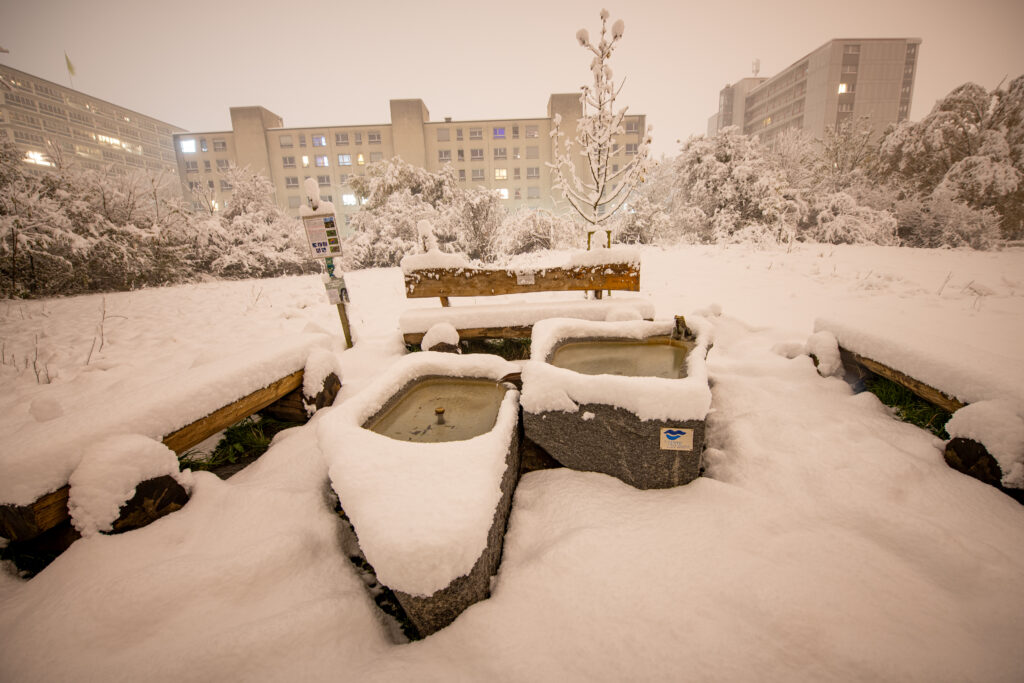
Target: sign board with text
[[323, 235]]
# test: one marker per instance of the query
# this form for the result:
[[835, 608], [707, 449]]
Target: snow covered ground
[[828, 541]]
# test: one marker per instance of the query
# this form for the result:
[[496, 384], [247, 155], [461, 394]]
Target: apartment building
[[509, 155], [844, 79], [45, 119]]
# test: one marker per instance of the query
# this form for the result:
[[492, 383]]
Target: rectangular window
[[500, 153], [499, 134], [516, 173], [632, 127], [302, 139], [358, 137], [533, 171], [222, 165], [501, 174], [343, 178], [225, 186], [519, 193], [220, 145], [194, 185], [843, 88], [849, 68], [852, 50], [846, 107], [533, 193], [348, 199], [462, 155], [443, 134], [533, 152], [444, 156], [305, 161], [202, 144], [344, 160], [323, 180], [187, 146], [376, 156], [458, 133], [476, 155], [288, 162], [321, 160], [209, 184], [632, 148], [285, 141], [341, 138], [373, 137], [291, 181], [206, 165], [478, 174], [360, 160], [476, 133], [503, 192], [462, 174], [515, 132], [319, 141], [191, 167], [515, 153], [532, 132]]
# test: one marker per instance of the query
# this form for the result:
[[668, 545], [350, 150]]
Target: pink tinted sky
[[320, 62]]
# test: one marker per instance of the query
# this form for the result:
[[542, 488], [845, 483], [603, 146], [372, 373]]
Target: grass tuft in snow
[[242, 442], [910, 407]]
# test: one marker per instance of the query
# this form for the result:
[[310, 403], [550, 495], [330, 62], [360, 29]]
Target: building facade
[[44, 120], [843, 80], [508, 155]]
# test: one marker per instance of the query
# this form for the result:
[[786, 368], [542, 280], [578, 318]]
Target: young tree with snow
[[598, 190]]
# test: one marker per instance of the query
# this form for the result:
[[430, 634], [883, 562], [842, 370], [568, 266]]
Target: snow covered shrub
[[939, 221], [386, 233], [528, 230], [841, 220], [644, 222]]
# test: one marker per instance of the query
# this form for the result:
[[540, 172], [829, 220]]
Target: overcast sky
[[317, 62]]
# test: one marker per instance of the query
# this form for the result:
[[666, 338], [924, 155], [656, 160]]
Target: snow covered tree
[[599, 190]]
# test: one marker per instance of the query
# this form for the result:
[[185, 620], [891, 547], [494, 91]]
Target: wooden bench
[[280, 398], [516, 320]]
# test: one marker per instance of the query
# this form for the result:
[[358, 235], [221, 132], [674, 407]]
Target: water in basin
[[658, 357], [442, 409]]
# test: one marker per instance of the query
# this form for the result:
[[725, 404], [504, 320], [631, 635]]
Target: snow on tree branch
[[596, 187]]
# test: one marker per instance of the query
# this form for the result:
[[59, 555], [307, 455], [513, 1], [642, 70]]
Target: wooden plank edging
[[925, 391]]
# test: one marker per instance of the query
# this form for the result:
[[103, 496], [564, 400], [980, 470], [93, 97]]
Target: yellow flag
[[71, 67]]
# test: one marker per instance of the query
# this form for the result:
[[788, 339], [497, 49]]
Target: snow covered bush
[[528, 230], [939, 221], [840, 220]]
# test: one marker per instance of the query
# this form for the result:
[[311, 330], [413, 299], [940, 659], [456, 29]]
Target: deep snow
[[828, 541]]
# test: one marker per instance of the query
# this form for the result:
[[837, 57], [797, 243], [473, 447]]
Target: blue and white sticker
[[676, 439]]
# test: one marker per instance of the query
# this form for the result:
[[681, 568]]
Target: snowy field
[[828, 541]]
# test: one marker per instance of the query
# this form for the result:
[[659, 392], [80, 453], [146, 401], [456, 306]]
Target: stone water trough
[[424, 463], [628, 399]]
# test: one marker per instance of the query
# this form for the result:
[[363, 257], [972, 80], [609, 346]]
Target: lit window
[[291, 181], [533, 193], [476, 155], [533, 172], [323, 180], [348, 199], [444, 156], [376, 156], [476, 133], [532, 132], [478, 174], [360, 160], [321, 160], [187, 146], [319, 141], [499, 134], [305, 161], [443, 134], [285, 141], [373, 137], [503, 192], [37, 158], [501, 174], [842, 88], [341, 138], [344, 160], [219, 145], [500, 153], [533, 152], [288, 162]]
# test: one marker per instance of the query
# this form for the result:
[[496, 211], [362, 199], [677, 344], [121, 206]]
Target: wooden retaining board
[[447, 282], [22, 522], [928, 393]]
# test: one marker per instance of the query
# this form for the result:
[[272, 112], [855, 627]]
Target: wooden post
[[337, 294]]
